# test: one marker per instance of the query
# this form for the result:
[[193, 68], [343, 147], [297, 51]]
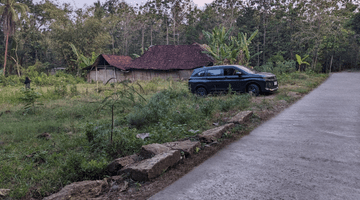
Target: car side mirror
[[238, 73]]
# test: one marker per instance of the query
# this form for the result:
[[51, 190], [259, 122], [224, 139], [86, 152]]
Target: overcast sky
[[81, 3]]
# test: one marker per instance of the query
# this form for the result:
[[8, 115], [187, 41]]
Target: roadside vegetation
[[65, 137]]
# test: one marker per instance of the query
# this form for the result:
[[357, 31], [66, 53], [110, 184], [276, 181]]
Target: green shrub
[[208, 106], [156, 108], [284, 67], [60, 89], [268, 67], [78, 167], [29, 98]]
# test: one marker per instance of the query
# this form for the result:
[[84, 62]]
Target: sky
[[80, 3]]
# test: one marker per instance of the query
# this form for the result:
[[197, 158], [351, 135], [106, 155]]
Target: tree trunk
[[174, 31], [151, 35], [167, 34], [17, 60], [6, 48], [264, 39], [142, 39], [331, 63], [258, 50]]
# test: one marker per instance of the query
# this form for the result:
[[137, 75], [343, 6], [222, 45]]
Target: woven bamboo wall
[[146, 75]]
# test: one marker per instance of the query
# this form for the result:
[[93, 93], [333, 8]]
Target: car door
[[232, 78], [215, 78], [242, 79]]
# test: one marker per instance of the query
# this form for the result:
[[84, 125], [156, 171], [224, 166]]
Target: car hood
[[266, 74]]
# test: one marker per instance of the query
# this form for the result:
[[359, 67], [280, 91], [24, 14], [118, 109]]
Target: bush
[[279, 68], [284, 67], [78, 167], [156, 108]]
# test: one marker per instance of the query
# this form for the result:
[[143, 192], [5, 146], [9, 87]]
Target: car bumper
[[271, 89]]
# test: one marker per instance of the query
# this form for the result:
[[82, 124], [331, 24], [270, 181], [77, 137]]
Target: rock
[[241, 117], [151, 150], [4, 192], [143, 135], [119, 163], [44, 136], [216, 124], [117, 179], [215, 133], [153, 167], [80, 190], [187, 146], [119, 187]]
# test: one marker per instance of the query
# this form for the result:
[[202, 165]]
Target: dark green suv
[[242, 79]]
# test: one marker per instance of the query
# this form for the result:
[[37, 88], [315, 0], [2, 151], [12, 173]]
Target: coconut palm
[[10, 10]]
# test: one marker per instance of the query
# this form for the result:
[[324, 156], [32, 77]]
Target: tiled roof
[[159, 57], [168, 57], [121, 62]]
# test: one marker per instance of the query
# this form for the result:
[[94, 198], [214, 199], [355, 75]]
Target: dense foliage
[[58, 35]]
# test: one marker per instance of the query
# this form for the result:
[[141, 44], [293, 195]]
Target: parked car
[[242, 79]]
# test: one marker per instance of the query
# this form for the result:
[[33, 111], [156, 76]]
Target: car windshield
[[247, 70]]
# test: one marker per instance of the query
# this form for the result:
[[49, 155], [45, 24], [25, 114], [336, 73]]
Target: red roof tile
[[160, 57], [121, 62], [168, 57]]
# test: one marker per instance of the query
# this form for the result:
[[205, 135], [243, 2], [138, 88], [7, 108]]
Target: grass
[[79, 147]]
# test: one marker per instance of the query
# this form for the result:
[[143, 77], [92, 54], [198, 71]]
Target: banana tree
[[217, 44], [229, 51], [82, 61], [301, 61], [242, 44]]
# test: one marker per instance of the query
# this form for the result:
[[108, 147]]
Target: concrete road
[[309, 151]]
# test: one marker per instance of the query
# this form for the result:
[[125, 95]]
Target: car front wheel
[[201, 91], [253, 89]]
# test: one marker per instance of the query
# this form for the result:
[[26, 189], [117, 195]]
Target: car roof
[[212, 67]]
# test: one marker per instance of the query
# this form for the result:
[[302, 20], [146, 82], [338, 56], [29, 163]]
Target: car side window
[[214, 72], [229, 71]]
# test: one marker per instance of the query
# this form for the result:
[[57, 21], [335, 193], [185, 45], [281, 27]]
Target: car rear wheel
[[201, 91], [253, 89]]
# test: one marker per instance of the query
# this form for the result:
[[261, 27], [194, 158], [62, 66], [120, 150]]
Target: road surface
[[309, 151]]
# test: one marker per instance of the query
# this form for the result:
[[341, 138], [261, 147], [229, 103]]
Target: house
[[56, 69], [108, 68], [164, 61]]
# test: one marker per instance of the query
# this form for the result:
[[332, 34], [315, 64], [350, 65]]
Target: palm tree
[[9, 11]]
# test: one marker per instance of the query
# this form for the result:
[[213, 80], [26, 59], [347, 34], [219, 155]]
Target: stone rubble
[[215, 133], [241, 117], [151, 150], [152, 167], [187, 146], [119, 163], [153, 160]]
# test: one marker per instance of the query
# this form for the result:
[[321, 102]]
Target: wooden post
[[115, 74], [96, 78]]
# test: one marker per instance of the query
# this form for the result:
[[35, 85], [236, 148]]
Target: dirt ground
[[264, 107]]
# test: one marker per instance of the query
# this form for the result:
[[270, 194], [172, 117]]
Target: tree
[[229, 51], [9, 17], [301, 61]]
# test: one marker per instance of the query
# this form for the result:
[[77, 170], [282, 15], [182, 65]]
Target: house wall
[[104, 75]]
